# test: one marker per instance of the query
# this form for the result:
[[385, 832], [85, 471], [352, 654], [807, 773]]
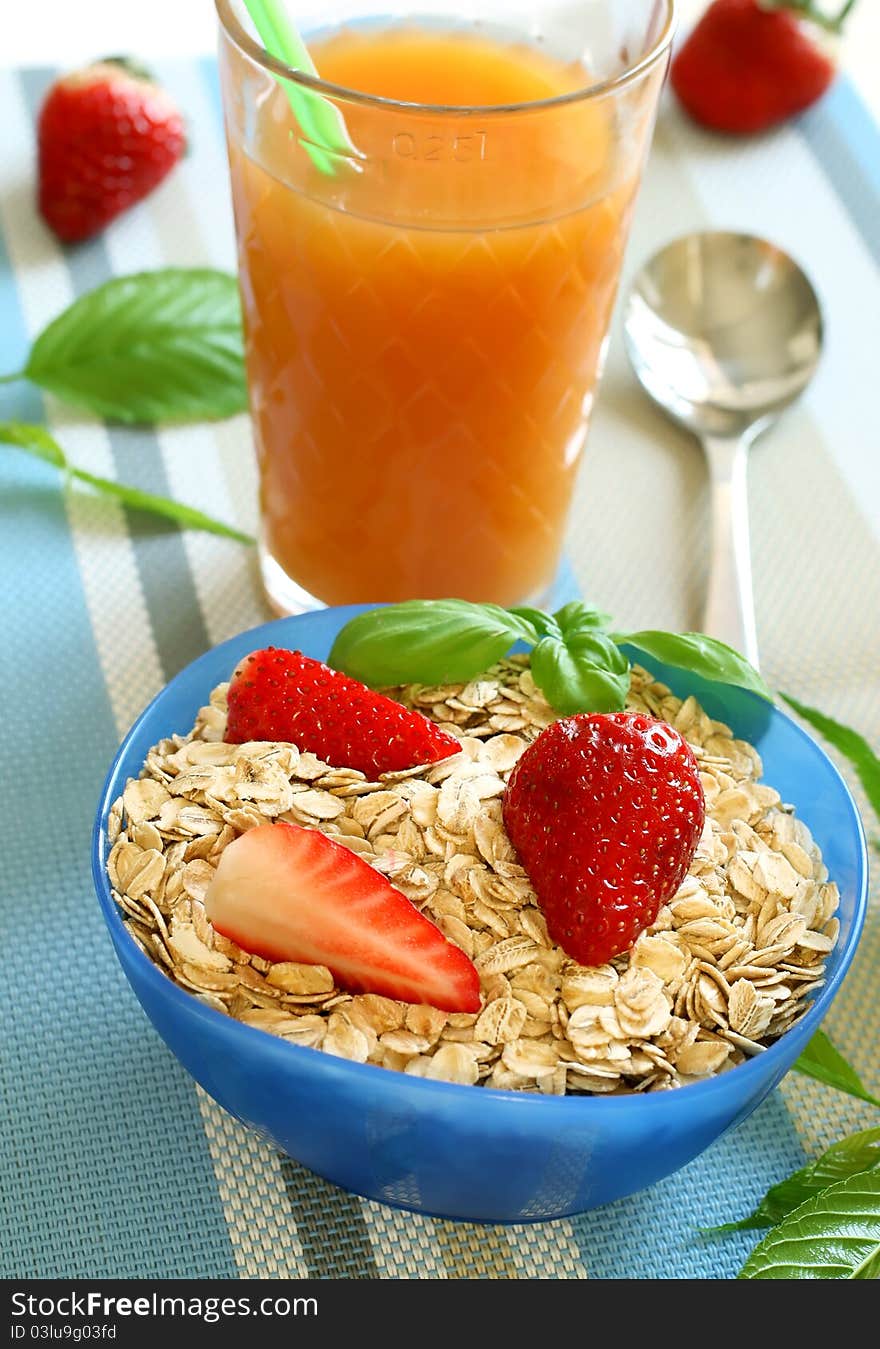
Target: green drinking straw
[[325, 137]]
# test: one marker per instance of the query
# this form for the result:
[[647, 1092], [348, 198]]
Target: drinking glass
[[427, 302]]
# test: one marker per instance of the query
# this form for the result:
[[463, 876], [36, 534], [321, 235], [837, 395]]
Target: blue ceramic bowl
[[469, 1152]]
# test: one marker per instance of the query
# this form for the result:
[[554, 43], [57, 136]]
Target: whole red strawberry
[[748, 65], [107, 136], [605, 811], [284, 695]]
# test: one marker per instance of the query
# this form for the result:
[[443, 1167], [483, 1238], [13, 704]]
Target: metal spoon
[[723, 332]]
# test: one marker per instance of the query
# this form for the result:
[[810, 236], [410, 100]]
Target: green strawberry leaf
[[156, 346], [427, 642], [37, 441], [854, 747], [583, 673], [702, 655], [833, 1235], [822, 1061], [859, 1152]]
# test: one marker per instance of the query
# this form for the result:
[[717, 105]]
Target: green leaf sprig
[[576, 662], [854, 747], [160, 346], [37, 441], [825, 1217], [824, 1062], [849, 1157], [833, 1235]]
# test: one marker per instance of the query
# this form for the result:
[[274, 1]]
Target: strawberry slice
[[287, 893], [284, 695]]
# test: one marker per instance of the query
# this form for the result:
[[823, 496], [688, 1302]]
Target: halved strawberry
[[287, 893], [284, 695]]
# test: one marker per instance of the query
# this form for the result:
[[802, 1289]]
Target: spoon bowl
[[723, 331]]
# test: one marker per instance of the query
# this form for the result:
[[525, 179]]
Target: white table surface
[[66, 32]]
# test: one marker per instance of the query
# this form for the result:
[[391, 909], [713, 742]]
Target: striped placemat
[[111, 1162]]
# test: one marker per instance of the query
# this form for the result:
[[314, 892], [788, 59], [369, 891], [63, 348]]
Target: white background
[[66, 32]]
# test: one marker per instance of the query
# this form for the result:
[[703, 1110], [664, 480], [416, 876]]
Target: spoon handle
[[730, 608]]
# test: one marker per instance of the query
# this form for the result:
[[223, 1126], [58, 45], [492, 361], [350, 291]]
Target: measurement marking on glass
[[436, 148]]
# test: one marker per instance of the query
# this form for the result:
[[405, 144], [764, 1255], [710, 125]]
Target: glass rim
[[234, 30]]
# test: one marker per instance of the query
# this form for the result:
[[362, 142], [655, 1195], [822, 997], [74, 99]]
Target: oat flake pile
[[726, 968]]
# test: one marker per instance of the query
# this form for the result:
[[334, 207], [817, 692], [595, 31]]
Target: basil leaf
[[584, 673], [859, 1152], [427, 642], [854, 748], [544, 624], [702, 655], [36, 440], [155, 346], [834, 1235], [575, 616], [825, 1063]]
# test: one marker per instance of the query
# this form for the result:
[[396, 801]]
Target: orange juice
[[425, 328]]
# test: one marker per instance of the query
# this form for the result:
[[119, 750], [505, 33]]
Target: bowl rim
[[374, 1075]]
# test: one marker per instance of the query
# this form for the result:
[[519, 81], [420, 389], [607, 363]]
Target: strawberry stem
[[810, 10], [131, 67]]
